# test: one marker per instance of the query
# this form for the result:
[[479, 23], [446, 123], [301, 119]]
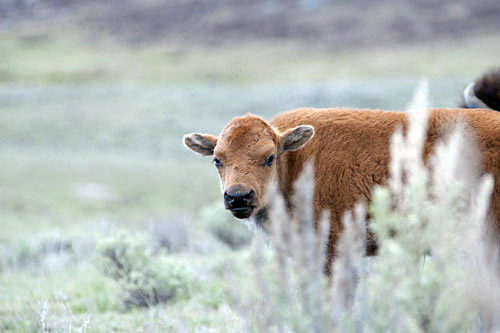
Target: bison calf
[[350, 149]]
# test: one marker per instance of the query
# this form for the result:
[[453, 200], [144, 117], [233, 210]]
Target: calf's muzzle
[[240, 201]]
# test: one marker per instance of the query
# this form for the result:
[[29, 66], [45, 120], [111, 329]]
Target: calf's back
[[350, 150]]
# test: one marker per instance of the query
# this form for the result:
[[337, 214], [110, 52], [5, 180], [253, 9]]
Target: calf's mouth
[[240, 201], [242, 212]]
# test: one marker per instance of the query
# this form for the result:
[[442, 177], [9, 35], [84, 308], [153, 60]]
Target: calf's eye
[[269, 160], [217, 162]]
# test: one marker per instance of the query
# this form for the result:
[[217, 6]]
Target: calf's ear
[[296, 138], [202, 144]]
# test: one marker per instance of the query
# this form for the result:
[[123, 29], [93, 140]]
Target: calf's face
[[245, 154]]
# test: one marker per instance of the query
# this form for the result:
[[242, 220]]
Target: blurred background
[[95, 97]]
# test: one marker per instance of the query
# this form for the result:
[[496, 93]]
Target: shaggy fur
[[350, 150]]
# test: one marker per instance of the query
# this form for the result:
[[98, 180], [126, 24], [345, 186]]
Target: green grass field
[[90, 143], [68, 57]]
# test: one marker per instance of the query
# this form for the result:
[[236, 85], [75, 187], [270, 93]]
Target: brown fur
[[350, 149]]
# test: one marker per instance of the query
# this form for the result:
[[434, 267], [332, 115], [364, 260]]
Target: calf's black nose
[[238, 198]]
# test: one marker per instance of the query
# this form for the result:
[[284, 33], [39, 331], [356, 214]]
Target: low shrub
[[145, 279], [226, 228], [171, 233], [40, 253]]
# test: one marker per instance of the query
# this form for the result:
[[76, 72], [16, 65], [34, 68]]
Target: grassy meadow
[[90, 148]]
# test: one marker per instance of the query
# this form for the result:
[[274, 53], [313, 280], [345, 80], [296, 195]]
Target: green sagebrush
[[144, 278]]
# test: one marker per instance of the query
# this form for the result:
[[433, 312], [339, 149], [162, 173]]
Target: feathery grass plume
[[483, 271], [484, 267], [292, 284], [349, 266], [43, 316], [417, 130], [406, 151], [263, 316], [309, 262]]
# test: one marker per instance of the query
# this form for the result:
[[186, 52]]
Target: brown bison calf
[[350, 149]]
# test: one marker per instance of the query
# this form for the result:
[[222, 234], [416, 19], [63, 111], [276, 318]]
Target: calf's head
[[245, 154]]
